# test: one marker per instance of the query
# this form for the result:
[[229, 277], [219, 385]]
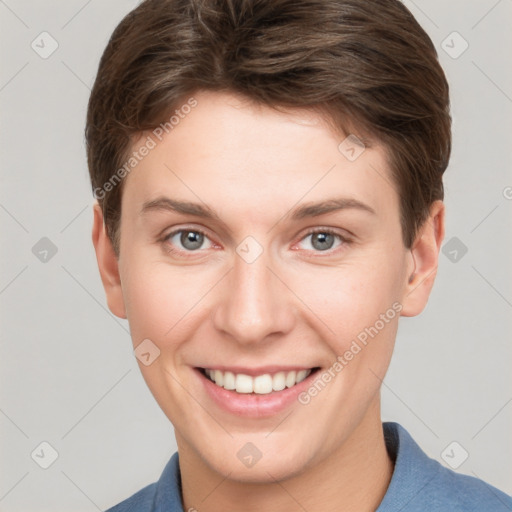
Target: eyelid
[[345, 239], [164, 238], [176, 229], [327, 229]]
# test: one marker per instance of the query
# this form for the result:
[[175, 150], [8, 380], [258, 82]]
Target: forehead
[[231, 151]]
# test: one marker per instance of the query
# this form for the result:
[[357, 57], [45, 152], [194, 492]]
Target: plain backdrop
[[68, 374]]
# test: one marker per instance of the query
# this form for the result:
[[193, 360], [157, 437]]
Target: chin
[[273, 466]]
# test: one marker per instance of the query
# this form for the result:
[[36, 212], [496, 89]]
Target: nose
[[254, 303]]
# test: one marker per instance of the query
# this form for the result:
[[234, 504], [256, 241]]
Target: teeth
[[262, 384], [290, 379], [243, 383], [219, 377], [279, 381], [229, 380]]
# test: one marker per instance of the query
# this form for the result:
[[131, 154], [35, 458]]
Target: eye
[[323, 239], [189, 239]]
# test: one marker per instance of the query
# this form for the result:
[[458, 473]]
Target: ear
[[424, 255], [108, 265]]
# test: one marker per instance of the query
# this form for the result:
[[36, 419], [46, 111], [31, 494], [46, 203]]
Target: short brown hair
[[366, 65]]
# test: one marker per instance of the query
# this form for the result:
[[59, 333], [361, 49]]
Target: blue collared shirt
[[418, 484]]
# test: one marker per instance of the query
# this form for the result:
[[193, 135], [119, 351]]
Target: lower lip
[[254, 405]]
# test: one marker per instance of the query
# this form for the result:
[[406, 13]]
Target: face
[[252, 245]]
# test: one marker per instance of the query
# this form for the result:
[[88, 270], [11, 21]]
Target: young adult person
[[269, 185]]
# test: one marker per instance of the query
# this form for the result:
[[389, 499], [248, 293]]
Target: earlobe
[[425, 256], [108, 265]]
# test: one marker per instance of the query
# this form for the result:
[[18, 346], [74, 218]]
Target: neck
[[354, 477]]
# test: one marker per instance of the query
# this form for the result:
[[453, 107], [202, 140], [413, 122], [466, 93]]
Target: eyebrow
[[183, 207], [331, 205], [306, 210]]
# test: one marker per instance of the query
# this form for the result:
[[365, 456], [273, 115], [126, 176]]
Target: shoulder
[[455, 491], [420, 483], [141, 501], [160, 496]]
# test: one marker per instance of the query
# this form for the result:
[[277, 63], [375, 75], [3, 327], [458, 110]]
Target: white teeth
[[290, 379], [301, 375], [243, 383], [229, 380], [262, 384], [279, 381], [218, 377]]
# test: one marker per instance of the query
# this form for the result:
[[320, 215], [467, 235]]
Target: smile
[[259, 384]]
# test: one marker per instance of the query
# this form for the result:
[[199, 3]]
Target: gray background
[[68, 375]]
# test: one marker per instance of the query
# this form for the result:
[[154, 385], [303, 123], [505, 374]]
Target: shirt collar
[[413, 469]]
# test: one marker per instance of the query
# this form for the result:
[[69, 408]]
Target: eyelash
[[343, 239]]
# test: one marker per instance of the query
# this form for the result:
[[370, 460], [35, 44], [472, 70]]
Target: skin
[[294, 305]]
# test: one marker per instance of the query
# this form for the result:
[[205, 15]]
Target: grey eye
[[187, 240], [322, 241], [191, 240]]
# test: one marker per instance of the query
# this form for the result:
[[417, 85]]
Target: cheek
[[161, 300], [350, 298]]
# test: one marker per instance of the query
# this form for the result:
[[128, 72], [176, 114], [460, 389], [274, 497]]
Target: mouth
[[257, 384]]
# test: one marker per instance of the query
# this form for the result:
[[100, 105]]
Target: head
[[312, 137]]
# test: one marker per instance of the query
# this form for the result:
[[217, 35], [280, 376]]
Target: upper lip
[[257, 371]]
